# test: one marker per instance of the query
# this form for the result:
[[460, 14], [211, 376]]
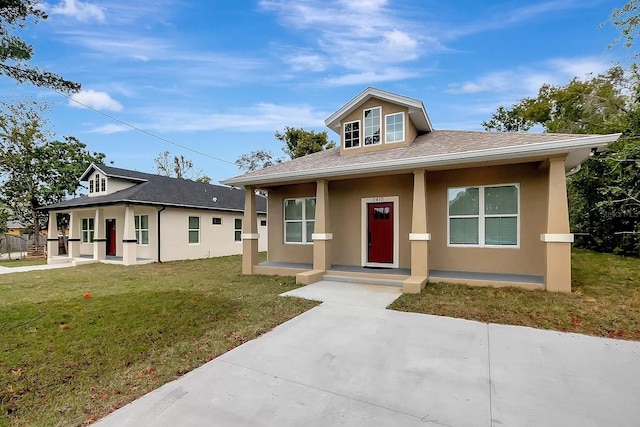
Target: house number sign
[[378, 199]]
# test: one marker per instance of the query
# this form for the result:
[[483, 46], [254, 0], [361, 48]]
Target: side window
[[238, 230], [194, 229]]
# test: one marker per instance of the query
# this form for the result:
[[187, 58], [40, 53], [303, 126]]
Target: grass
[[21, 262], [69, 360], [605, 300]]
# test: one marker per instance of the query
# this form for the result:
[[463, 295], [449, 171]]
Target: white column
[[99, 237], [52, 237], [249, 232], [129, 247], [74, 235]]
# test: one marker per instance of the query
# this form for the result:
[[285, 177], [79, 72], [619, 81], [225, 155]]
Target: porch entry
[[380, 233], [111, 237]]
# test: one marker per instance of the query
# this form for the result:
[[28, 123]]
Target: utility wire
[[153, 135]]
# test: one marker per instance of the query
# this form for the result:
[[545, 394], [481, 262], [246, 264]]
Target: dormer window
[[97, 178], [372, 126], [352, 134], [103, 184], [90, 186], [394, 127]]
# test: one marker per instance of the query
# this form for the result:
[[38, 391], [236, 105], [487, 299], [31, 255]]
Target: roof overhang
[[93, 167], [577, 151], [417, 112]]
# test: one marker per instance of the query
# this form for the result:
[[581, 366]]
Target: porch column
[[99, 236], [74, 235], [249, 231], [129, 242], [557, 239], [419, 237], [322, 235], [52, 237]]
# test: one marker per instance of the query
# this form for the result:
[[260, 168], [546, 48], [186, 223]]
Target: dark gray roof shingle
[[150, 189]]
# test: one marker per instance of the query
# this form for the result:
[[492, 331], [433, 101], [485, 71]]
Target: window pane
[[501, 231], [194, 222], [216, 220], [293, 232], [238, 236], [463, 201], [136, 220], [238, 224], [310, 226], [293, 209], [501, 200], [310, 209], [194, 237], [463, 231], [145, 237], [91, 224], [91, 236], [138, 236], [144, 222]]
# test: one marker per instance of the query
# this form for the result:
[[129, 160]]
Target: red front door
[[111, 237], [380, 233]]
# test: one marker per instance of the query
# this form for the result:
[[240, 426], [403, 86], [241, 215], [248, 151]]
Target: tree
[[627, 19], [300, 142], [604, 196], [256, 160], [36, 169], [178, 167], [511, 120], [14, 52]]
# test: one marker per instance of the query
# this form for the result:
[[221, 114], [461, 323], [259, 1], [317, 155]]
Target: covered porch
[[419, 267]]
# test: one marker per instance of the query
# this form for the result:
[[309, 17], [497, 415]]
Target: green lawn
[[605, 300], [69, 360], [21, 262]]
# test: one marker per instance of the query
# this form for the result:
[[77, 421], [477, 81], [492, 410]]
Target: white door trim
[[396, 230]]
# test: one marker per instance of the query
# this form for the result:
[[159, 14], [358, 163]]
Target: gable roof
[[437, 149], [417, 112], [159, 190]]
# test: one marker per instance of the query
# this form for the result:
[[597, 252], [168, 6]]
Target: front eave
[[576, 149]]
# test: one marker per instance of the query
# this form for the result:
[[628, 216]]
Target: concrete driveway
[[351, 362]]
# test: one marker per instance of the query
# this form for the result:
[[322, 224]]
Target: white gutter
[[487, 155]]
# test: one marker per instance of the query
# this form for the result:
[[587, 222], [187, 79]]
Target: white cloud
[[82, 11], [369, 77], [307, 62], [110, 128], [526, 80], [94, 99]]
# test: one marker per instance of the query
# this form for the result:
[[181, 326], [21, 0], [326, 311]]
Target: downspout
[[159, 245]]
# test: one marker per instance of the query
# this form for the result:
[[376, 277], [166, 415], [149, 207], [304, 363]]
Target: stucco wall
[[528, 258]]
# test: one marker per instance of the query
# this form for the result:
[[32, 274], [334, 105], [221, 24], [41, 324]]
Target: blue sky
[[221, 77]]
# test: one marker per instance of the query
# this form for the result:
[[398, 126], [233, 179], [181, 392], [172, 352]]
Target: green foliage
[[604, 196], [256, 160], [36, 169], [14, 52], [627, 19], [300, 142]]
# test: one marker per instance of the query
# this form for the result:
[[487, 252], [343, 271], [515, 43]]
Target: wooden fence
[[19, 244]]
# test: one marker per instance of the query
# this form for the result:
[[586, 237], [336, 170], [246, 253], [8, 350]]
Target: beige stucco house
[[131, 217], [400, 200]]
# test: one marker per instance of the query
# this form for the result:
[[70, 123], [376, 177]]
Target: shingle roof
[[159, 190], [436, 148]]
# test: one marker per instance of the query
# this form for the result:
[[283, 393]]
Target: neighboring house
[[419, 204], [132, 217]]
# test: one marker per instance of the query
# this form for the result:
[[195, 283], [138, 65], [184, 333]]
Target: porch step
[[363, 280]]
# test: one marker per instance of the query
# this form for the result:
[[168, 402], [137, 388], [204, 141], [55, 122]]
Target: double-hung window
[[90, 186], [97, 181], [299, 219], [484, 216], [103, 184], [194, 229], [352, 134], [87, 230], [142, 229], [394, 127], [237, 230], [372, 126]]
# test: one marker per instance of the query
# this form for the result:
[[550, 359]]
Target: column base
[[414, 284], [309, 277]]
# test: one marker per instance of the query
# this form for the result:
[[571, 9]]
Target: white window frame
[[139, 229], [364, 127], [214, 218], [386, 141], [103, 184], [90, 186], [87, 233], [481, 217], [96, 180], [306, 240], [189, 229], [237, 232], [344, 133]]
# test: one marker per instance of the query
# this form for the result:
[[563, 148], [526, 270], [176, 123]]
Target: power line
[[153, 135]]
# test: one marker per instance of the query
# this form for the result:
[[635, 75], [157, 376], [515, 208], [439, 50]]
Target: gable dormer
[[378, 120], [100, 181]]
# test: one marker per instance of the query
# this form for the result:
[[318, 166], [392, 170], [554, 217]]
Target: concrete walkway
[[8, 270], [351, 362]]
